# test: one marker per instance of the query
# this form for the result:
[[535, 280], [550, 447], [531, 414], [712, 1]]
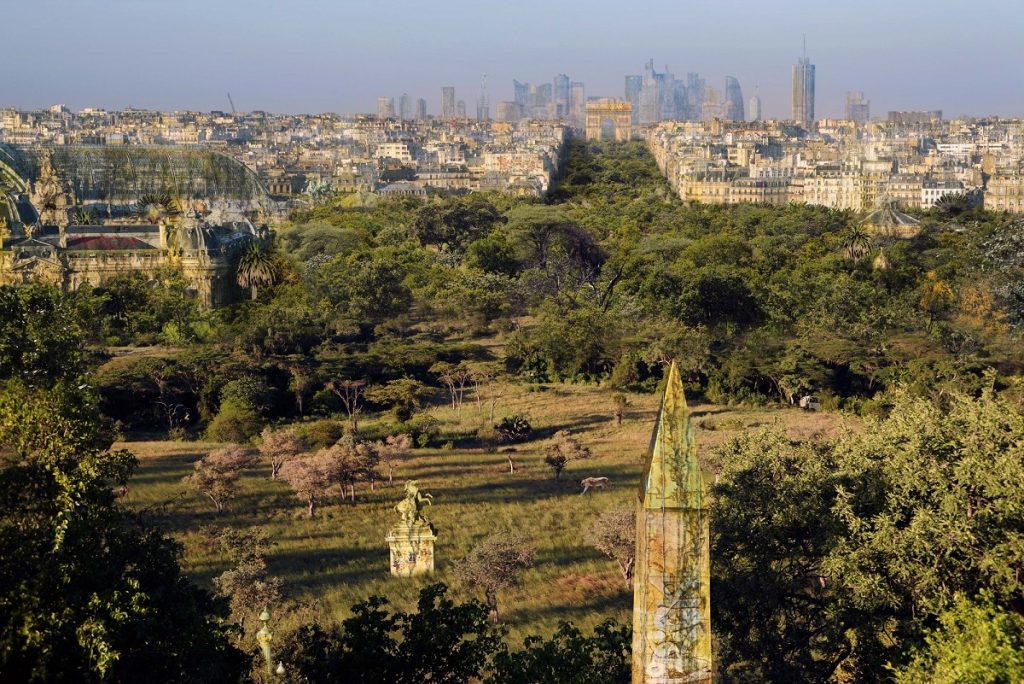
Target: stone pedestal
[[412, 549]]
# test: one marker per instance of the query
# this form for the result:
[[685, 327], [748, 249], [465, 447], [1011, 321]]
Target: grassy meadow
[[340, 557]]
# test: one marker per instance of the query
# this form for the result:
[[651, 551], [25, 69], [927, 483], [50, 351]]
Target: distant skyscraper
[[405, 107], [536, 99], [694, 97], [754, 109], [649, 95], [483, 103], [634, 84], [562, 94], [421, 109], [520, 91], [448, 103], [857, 108], [545, 93], [732, 107], [711, 109], [680, 99], [666, 97], [577, 104], [385, 108], [803, 92], [460, 109]]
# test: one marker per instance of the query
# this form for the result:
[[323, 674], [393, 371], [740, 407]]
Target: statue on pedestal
[[412, 539], [410, 508]]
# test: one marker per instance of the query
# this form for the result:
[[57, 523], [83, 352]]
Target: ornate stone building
[[50, 233]]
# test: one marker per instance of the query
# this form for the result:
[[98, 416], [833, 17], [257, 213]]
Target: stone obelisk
[[672, 580]]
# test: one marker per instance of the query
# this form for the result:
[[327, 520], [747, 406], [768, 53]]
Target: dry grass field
[[340, 557]]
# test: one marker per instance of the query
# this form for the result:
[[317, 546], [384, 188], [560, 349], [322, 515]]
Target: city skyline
[[313, 56]]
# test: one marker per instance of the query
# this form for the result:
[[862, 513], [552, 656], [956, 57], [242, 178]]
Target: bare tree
[[311, 477], [393, 451], [350, 392], [279, 446], [176, 414], [496, 564], [455, 378], [216, 474], [485, 386], [613, 533]]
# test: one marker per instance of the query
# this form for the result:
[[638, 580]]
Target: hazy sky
[[339, 55]]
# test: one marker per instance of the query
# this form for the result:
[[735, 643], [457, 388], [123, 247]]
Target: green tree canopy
[[90, 593]]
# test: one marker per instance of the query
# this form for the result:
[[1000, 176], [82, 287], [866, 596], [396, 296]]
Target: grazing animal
[[595, 482]]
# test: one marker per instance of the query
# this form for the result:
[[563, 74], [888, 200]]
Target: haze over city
[[316, 55]]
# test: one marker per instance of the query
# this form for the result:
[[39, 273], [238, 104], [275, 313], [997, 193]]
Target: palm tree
[[856, 242], [256, 268], [84, 217], [952, 204], [157, 206]]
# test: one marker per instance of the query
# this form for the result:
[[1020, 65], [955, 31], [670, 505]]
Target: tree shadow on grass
[[569, 611], [578, 423], [155, 471], [306, 570], [528, 490]]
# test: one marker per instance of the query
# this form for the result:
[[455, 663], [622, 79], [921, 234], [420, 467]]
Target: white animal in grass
[[595, 482]]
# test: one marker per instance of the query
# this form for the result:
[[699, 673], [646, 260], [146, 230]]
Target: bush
[[569, 656], [322, 433], [441, 642], [423, 428], [324, 403], [872, 408], [236, 421], [976, 641], [514, 428], [249, 390]]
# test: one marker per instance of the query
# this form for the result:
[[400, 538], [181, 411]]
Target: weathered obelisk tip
[[671, 590]]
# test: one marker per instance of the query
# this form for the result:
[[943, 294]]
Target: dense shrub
[[236, 421]]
